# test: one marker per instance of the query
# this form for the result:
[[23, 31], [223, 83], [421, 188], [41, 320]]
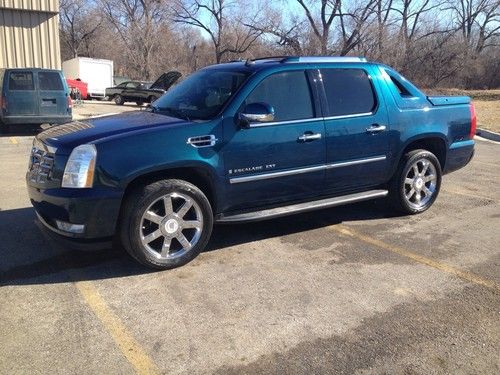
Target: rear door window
[[348, 91], [21, 81], [50, 81], [288, 93]]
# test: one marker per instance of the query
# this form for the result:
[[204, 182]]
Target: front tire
[[415, 185], [119, 99], [166, 224]]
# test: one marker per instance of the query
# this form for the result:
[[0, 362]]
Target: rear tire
[[139, 103], [119, 99], [151, 99], [166, 224], [415, 185]]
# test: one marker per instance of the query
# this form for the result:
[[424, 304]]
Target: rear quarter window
[[50, 81], [21, 81], [348, 91]]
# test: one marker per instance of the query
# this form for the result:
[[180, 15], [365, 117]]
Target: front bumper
[[61, 239], [97, 209]]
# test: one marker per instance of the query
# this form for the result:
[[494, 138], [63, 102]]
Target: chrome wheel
[[420, 183], [171, 226]]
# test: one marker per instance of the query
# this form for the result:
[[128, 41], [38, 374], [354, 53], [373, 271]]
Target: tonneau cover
[[448, 100]]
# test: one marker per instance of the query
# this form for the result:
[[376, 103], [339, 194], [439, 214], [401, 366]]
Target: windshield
[[202, 95]]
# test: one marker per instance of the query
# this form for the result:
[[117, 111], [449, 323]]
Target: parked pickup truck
[[246, 141], [142, 92]]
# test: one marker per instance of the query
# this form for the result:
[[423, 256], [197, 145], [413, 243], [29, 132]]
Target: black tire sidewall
[[119, 100], [140, 200], [407, 162]]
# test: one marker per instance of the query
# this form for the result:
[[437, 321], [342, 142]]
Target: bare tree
[[478, 21], [353, 22], [226, 37], [411, 14], [328, 11], [138, 24], [78, 25], [288, 36]]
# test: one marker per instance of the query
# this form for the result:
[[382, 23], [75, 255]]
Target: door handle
[[375, 128], [306, 137]]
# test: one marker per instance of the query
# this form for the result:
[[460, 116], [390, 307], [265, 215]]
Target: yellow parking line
[[465, 275], [13, 140], [134, 353]]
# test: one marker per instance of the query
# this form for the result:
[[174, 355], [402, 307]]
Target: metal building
[[29, 34]]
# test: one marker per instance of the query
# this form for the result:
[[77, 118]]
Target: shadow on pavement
[[22, 130], [27, 257]]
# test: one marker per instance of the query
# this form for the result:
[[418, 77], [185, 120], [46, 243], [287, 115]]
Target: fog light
[[71, 228]]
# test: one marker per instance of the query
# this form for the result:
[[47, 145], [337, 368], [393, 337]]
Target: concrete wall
[[29, 34]]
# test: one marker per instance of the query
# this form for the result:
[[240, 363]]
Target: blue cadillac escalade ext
[[246, 141]]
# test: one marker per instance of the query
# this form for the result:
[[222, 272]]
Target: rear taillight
[[3, 103], [473, 121], [70, 102]]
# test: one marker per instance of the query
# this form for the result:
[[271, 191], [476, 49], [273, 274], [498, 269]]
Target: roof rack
[[309, 59], [324, 59], [279, 58]]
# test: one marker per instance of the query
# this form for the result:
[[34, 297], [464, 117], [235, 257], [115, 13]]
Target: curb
[[492, 136]]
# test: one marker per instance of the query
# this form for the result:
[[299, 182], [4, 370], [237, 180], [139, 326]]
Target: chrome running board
[[272, 213]]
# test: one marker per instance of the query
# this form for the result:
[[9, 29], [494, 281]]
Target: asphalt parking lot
[[356, 289]]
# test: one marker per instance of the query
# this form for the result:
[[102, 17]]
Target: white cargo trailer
[[97, 73]]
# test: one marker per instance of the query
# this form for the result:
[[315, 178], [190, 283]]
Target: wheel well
[[435, 145], [196, 176]]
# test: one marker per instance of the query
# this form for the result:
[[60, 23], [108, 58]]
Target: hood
[[166, 80], [68, 136]]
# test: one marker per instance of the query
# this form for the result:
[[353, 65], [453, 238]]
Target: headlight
[[79, 171]]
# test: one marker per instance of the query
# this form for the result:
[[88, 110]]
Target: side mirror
[[256, 113]]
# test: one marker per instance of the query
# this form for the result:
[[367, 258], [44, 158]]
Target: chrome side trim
[[301, 207], [291, 172], [263, 124], [348, 116], [265, 176], [355, 162]]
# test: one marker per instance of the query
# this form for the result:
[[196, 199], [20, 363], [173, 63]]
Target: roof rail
[[324, 59], [309, 59], [279, 58]]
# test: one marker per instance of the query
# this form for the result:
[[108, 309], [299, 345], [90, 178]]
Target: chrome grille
[[40, 165]]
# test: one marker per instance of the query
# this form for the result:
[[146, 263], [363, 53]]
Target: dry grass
[[487, 103], [488, 114]]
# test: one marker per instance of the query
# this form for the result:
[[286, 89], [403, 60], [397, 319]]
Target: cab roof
[[265, 62]]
